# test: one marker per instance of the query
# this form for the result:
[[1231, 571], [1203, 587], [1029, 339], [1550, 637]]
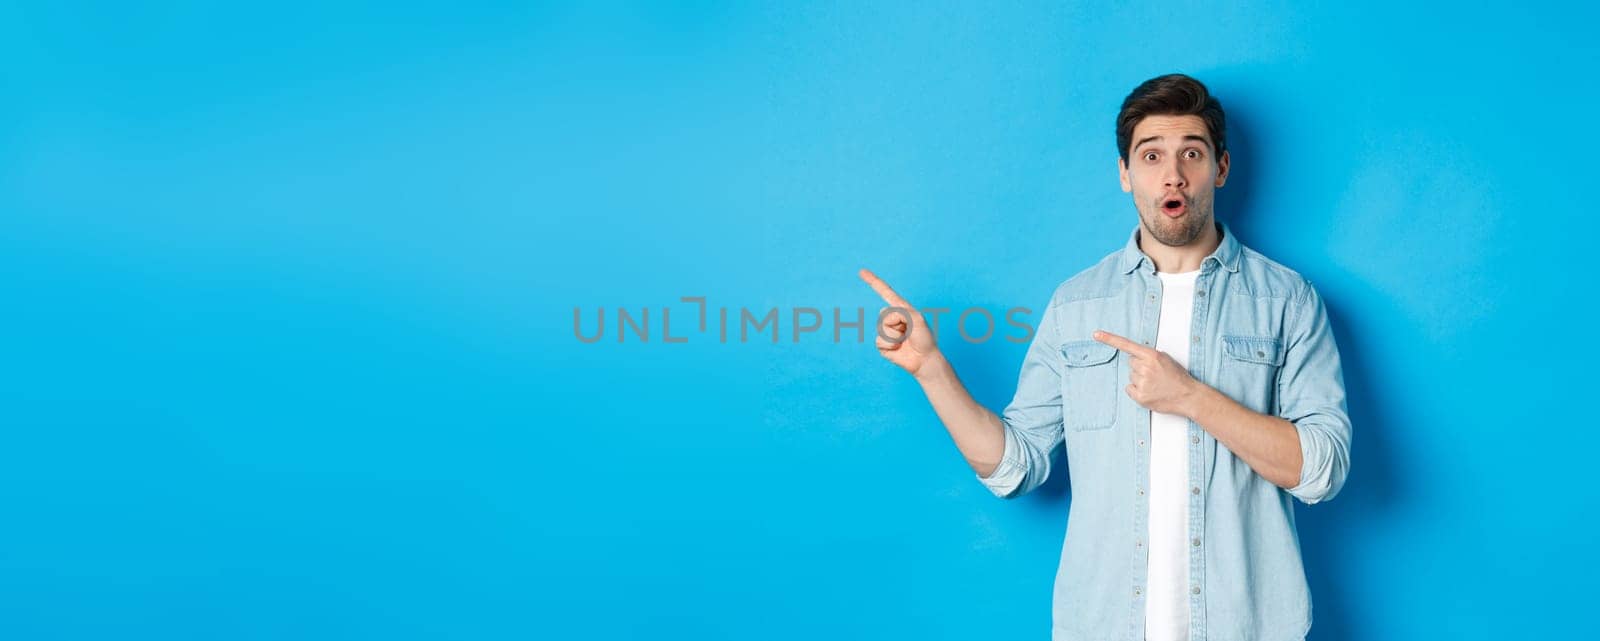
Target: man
[[1196, 389]]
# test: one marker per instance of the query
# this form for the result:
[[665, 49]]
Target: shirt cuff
[[1314, 473], [1008, 475]]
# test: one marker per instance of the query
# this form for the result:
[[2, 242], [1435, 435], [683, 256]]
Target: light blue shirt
[[1261, 336]]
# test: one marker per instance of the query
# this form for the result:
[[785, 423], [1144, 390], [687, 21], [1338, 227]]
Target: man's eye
[[1151, 157], [1192, 154]]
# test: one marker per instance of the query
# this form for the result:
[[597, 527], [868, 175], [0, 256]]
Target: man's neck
[[1176, 260]]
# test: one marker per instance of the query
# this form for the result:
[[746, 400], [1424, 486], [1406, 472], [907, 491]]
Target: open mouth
[[1173, 207]]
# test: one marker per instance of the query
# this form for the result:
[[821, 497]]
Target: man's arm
[[1311, 397], [1011, 455], [1306, 450], [977, 432], [1268, 444]]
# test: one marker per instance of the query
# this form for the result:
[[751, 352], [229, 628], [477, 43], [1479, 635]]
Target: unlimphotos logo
[[741, 325]]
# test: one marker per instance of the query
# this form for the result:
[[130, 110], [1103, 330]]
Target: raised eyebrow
[[1188, 137], [1142, 141], [1201, 139]]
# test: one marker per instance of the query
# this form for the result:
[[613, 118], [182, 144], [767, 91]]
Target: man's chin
[[1173, 232]]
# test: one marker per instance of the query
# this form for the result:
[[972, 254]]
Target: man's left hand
[[1156, 381]]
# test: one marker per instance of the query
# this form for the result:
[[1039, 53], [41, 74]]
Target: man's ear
[[1222, 169], [1122, 172]]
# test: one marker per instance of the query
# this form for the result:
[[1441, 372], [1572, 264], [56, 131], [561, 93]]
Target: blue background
[[288, 344]]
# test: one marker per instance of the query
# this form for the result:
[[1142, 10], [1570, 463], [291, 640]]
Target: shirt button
[[1194, 590], [1137, 592], [1141, 442], [1192, 490], [1260, 354], [1201, 293], [1194, 439], [1195, 541], [1196, 339], [1141, 491], [1139, 543]]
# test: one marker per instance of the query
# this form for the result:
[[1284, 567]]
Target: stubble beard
[[1179, 232]]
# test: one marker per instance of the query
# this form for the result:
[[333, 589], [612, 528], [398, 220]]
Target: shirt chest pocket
[[1088, 385], [1250, 367]]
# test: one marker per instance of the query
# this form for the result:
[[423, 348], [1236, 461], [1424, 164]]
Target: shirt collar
[[1226, 254]]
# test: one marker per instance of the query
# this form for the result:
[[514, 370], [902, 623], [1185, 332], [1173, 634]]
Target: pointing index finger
[[1121, 343], [884, 291]]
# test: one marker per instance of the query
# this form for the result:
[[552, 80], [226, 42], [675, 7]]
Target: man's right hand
[[903, 336]]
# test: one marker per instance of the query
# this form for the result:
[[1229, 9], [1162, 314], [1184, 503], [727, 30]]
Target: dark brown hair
[[1174, 94]]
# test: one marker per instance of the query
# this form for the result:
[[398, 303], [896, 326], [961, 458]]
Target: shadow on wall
[[1369, 493]]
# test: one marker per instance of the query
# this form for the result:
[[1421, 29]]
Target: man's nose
[[1173, 177]]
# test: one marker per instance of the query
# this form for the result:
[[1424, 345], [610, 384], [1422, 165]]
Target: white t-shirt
[[1166, 614]]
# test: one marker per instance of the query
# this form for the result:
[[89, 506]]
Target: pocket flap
[[1087, 353], [1255, 349]]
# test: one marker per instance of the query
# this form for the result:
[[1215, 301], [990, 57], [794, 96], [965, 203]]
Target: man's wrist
[[934, 367], [1197, 399]]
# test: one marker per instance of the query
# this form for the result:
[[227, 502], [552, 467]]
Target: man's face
[[1173, 172]]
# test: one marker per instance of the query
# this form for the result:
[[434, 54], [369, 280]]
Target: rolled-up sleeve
[[1311, 395], [1032, 420]]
